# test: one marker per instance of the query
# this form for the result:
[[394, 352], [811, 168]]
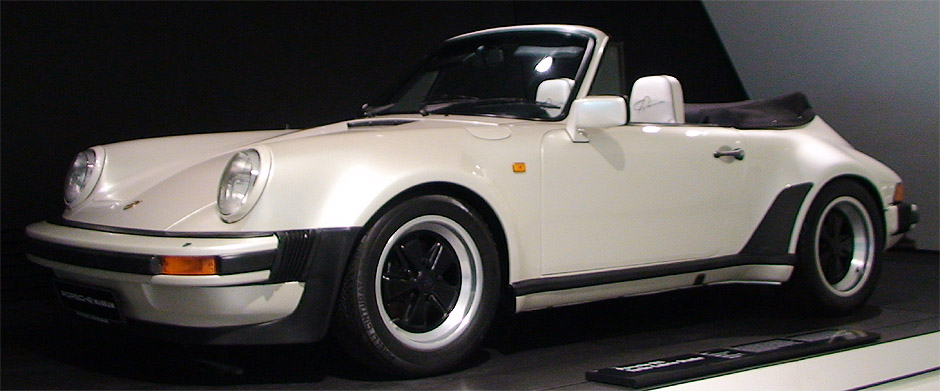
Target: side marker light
[[518, 167], [899, 193]]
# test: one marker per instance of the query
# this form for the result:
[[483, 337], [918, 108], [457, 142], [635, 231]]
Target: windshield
[[521, 74]]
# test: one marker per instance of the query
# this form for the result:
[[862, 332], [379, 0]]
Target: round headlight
[[241, 185], [82, 176]]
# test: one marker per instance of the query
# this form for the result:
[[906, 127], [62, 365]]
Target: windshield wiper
[[370, 111], [426, 107], [441, 105]]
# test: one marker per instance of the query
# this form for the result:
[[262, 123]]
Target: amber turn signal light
[[189, 266], [899, 193]]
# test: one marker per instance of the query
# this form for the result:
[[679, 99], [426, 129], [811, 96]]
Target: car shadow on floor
[[640, 322], [712, 312]]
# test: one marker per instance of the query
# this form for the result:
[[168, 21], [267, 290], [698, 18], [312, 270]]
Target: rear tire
[[421, 289], [839, 249]]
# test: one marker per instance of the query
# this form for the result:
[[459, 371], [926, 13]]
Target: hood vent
[[378, 122]]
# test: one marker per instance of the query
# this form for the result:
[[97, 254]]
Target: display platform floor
[[541, 350]]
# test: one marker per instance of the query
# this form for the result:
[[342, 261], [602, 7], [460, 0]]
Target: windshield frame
[[593, 47]]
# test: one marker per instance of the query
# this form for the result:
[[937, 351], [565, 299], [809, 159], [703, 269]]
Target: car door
[[639, 194]]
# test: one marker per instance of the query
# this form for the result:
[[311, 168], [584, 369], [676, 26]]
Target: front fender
[[343, 180]]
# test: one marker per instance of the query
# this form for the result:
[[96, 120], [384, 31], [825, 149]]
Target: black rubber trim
[[308, 323], [96, 259], [163, 234], [907, 217], [773, 234], [550, 284], [246, 262], [294, 250], [146, 264]]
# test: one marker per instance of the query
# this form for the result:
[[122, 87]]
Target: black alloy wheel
[[421, 288], [838, 249]]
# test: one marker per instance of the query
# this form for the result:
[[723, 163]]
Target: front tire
[[421, 289], [838, 249]]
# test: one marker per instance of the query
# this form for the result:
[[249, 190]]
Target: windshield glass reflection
[[528, 74]]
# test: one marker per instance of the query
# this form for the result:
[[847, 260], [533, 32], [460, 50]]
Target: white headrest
[[658, 100], [555, 92]]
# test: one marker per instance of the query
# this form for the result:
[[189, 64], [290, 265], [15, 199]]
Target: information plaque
[[711, 362]]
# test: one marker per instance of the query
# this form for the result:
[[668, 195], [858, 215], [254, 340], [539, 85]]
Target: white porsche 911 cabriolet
[[506, 172]]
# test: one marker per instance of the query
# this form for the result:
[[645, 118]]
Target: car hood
[[155, 184]]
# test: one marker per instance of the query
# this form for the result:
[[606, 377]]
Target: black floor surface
[[540, 350]]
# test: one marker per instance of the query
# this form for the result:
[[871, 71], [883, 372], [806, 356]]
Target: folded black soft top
[[784, 111]]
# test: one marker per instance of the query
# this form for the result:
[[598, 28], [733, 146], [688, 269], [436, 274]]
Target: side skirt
[[657, 282], [549, 284]]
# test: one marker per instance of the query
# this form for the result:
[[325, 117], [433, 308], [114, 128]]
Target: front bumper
[[272, 287]]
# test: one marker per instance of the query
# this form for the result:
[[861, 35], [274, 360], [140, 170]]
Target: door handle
[[736, 153]]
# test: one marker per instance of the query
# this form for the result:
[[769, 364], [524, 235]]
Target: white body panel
[[618, 199]]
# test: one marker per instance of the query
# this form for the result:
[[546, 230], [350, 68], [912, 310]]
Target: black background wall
[[76, 75]]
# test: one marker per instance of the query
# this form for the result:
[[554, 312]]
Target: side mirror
[[595, 112]]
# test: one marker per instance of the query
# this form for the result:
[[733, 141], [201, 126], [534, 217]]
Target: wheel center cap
[[425, 282]]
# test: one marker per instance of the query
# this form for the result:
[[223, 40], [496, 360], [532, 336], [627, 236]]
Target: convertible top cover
[[784, 111]]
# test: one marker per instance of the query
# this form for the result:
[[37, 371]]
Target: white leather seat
[[657, 100], [554, 92]]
